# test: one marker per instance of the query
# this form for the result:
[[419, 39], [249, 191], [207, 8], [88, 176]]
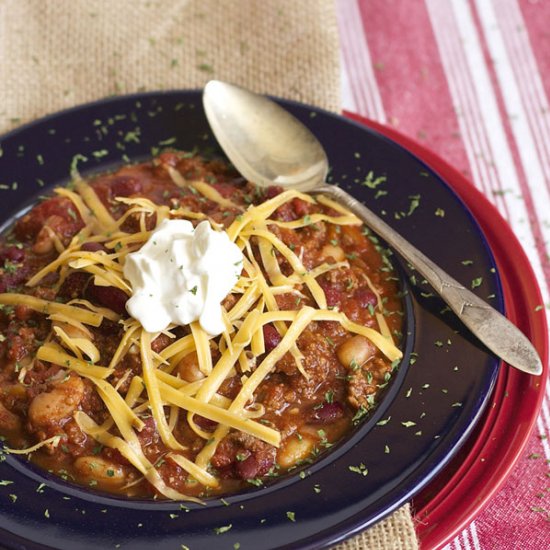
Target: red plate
[[467, 484]]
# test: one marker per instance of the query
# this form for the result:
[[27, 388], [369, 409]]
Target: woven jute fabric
[[59, 53], [394, 533], [56, 54]]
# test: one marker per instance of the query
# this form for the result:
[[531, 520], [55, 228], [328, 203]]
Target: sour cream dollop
[[182, 274]]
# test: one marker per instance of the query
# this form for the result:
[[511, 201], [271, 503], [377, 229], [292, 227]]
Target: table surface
[[470, 80]]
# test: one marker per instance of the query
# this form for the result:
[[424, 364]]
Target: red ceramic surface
[[467, 484]]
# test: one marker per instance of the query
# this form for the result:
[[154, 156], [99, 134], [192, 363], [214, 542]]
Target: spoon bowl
[[270, 147], [265, 143]]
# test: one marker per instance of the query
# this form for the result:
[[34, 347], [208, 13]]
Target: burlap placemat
[[60, 53]]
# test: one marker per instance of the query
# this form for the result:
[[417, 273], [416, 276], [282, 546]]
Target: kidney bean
[[285, 213], [300, 207], [12, 254], [257, 464], [365, 297], [273, 191], [160, 342], [265, 461], [11, 280], [93, 247], [124, 186], [23, 313], [247, 468], [148, 433], [326, 413], [205, 423], [107, 296], [333, 295], [272, 337]]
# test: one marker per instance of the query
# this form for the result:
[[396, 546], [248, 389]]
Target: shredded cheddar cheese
[[271, 269]]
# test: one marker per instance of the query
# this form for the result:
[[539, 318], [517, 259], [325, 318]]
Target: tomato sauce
[[345, 373]]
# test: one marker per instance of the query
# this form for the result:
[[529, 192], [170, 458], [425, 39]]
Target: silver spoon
[[268, 146]]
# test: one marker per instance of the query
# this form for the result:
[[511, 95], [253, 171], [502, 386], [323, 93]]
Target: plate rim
[[509, 381], [14, 132]]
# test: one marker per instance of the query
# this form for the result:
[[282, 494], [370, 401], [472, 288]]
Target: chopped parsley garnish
[[414, 204], [408, 424], [223, 529], [362, 411], [477, 282], [383, 422], [361, 469], [371, 182]]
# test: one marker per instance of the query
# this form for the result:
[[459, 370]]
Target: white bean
[[295, 449], [50, 407], [188, 368], [334, 251], [355, 351], [101, 470]]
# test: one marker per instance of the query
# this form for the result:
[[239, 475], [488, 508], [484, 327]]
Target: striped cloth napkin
[[470, 79], [57, 54]]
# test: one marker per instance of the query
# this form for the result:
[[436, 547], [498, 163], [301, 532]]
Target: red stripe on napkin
[[410, 77]]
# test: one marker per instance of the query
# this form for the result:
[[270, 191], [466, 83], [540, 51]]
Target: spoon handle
[[491, 327]]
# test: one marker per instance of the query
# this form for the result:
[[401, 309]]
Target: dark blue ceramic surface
[[427, 413]]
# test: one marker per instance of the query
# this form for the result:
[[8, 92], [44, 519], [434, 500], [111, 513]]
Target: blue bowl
[[426, 414]]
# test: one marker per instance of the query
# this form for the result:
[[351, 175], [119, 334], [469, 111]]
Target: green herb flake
[[477, 282], [291, 516], [257, 482], [194, 290], [371, 182], [360, 414], [440, 212], [361, 469], [414, 204], [383, 422], [5, 482], [205, 68], [408, 424], [74, 164], [223, 529]]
